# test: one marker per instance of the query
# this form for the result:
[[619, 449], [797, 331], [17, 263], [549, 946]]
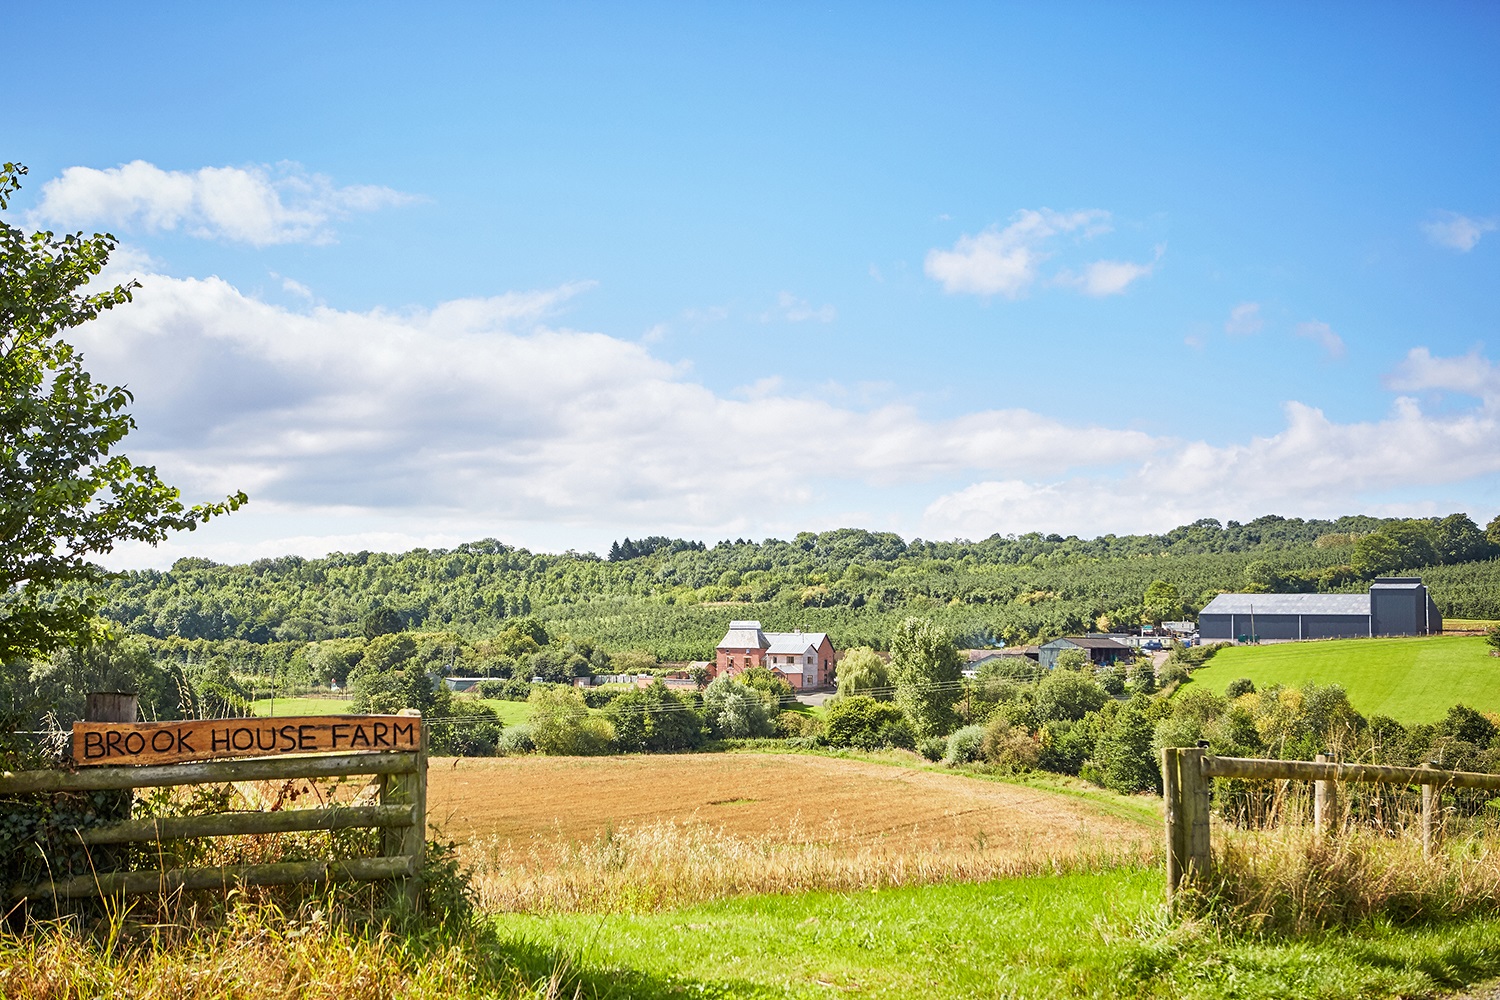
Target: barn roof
[[1288, 604], [1086, 642]]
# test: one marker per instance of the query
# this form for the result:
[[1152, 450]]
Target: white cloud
[[481, 417], [1006, 261], [1457, 232], [1322, 334], [258, 205], [480, 406], [1244, 319], [1108, 277], [1313, 467], [794, 310], [1471, 374]]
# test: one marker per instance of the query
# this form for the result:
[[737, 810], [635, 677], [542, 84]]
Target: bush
[[932, 747], [1493, 638], [734, 711], [964, 746], [653, 720], [561, 725], [516, 740], [1066, 695], [866, 724], [1112, 680], [1173, 673], [798, 725], [1238, 687], [514, 689], [1010, 748]]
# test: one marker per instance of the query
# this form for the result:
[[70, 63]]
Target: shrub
[[1173, 673], [798, 725], [514, 689], [515, 740], [654, 719], [964, 746], [1112, 680], [1010, 748], [1066, 695], [1124, 754], [1493, 638], [561, 725], [1065, 746], [866, 724], [932, 747], [1238, 687], [734, 711]]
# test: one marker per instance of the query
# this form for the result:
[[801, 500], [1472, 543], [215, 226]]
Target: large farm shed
[[1398, 605]]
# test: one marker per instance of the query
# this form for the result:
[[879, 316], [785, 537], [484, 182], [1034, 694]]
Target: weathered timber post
[[1325, 802], [1186, 790], [1432, 811], [408, 789], [112, 706]]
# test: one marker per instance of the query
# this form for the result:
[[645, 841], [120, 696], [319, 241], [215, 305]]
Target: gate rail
[[401, 817], [1188, 771]]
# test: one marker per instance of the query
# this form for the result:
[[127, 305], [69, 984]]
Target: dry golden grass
[[642, 833], [255, 954]]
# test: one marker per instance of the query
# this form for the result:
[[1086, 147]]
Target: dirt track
[[770, 796]]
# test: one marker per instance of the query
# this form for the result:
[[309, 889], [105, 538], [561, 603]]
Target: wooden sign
[[205, 739]]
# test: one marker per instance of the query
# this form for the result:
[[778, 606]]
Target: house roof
[[795, 643], [744, 635], [1085, 642], [1288, 604], [1397, 583]]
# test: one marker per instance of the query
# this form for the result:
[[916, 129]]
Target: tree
[[1401, 545], [863, 671], [1459, 540], [1124, 752], [654, 719], [1064, 695], [734, 711], [927, 671], [1162, 602], [66, 494], [1492, 532], [866, 724]]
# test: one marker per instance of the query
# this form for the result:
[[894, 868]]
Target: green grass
[[1410, 680], [302, 706], [1096, 935], [510, 712]]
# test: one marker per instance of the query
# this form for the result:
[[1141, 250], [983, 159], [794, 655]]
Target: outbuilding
[[1398, 605], [1101, 651]]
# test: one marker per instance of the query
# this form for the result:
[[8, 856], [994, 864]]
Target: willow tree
[[67, 495]]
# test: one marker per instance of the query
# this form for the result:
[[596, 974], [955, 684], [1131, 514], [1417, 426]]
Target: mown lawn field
[[1411, 680], [510, 712], [302, 706], [1101, 934]]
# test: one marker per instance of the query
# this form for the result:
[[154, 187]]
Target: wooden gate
[[1187, 773], [400, 815]]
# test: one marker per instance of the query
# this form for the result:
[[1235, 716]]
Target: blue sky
[[558, 274]]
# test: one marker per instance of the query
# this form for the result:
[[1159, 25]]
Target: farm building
[[1101, 651], [1398, 605], [805, 659]]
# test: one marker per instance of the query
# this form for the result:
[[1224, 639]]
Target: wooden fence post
[[112, 706], [1186, 789], [1432, 811], [410, 841], [1325, 802]]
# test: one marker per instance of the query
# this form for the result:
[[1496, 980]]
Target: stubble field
[[646, 832]]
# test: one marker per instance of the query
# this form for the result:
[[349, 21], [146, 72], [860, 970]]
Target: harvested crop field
[[647, 831]]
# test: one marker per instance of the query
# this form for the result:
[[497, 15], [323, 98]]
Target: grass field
[[1083, 935], [301, 706], [510, 712], [1410, 680], [643, 832]]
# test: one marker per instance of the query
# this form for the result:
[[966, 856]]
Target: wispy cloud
[[1457, 232], [791, 309], [1244, 319], [1007, 261], [1471, 374], [258, 205], [1322, 334], [1109, 277]]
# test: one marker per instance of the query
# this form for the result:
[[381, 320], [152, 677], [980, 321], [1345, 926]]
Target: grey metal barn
[[1398, 605]]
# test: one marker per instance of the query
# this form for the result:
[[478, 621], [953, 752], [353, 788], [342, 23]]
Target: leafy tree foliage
[[866, 724], [1162, 602], [926, 670], [653, 720], [1067, 696], [864, 671], [734, 711], [66, 494], [560, 724]]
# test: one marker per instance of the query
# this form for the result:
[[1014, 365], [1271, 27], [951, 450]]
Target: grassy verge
[[1411, 680], [1084, 935]]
